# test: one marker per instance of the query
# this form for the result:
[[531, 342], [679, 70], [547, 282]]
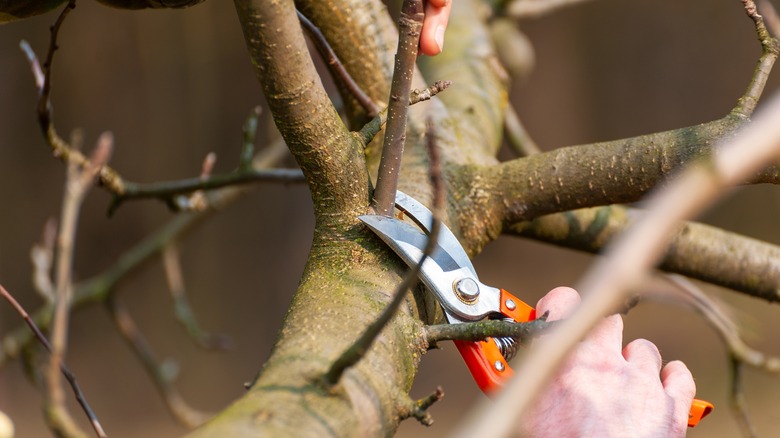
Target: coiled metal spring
[[507, 345]]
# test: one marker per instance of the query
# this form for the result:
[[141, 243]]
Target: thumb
[[560, 302]]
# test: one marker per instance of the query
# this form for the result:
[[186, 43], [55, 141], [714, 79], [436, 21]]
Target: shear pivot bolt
[[467, 289], [510, 305], [499, 365]]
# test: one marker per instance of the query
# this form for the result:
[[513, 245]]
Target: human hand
[[437, 14], [605, 392]]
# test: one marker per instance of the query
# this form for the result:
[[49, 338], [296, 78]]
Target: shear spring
[[507, 345]]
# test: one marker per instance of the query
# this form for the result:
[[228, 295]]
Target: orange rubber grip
[[489, 368]]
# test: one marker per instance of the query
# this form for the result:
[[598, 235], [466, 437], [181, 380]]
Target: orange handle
[[489, 368], [699, 410], [484, 360]]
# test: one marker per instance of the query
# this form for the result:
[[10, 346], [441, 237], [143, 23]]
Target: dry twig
[[182, 308], [62, 367], [76, 186], [161, 373], [337, 68]]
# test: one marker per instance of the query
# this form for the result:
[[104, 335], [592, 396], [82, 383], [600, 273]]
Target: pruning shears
[[449, 274]]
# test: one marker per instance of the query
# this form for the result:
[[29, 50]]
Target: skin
[[437, 13], [605, 390]]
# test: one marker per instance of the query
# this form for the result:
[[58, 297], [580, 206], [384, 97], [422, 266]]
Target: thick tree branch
[[697, 250], [331, 159]]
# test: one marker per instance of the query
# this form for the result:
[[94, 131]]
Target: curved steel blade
[[439, 272], [423, 217]]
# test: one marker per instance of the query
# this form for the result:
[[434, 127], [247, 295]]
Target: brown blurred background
[[175, 85]]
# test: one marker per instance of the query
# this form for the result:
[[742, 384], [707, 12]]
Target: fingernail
[[439, 36]]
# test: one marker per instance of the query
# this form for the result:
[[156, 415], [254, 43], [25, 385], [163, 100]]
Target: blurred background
[[175, 85]]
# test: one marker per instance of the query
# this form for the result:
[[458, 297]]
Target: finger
[[644, 356], [607, 335], [559, 302], [678, 383], [434, 25], [439, 3]]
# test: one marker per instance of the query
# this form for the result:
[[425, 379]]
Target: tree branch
[[418, 409], [160, 373], [182, 309], [71, 428], [337, 69], [77, 185], [409, 25], [168, 190], [326, 152], [770, 48], [372, 128], [524, 332], [696, 250]]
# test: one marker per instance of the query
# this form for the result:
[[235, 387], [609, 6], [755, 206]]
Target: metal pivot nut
[[499, 366], [467, 289]]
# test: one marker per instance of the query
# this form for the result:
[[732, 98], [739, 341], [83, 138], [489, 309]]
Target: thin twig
[[418, 409], [630, 256], [249, 134], [481, 330], [182, 308], [63, 368], [167, 190], [372, 128], [770, 49], [409, 26], [42, 257], [738, 400], [43, 77], [416, 96], [161, 373], [44, 104], [124, 190], [76, 187], [356, 351], [336, 67]]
